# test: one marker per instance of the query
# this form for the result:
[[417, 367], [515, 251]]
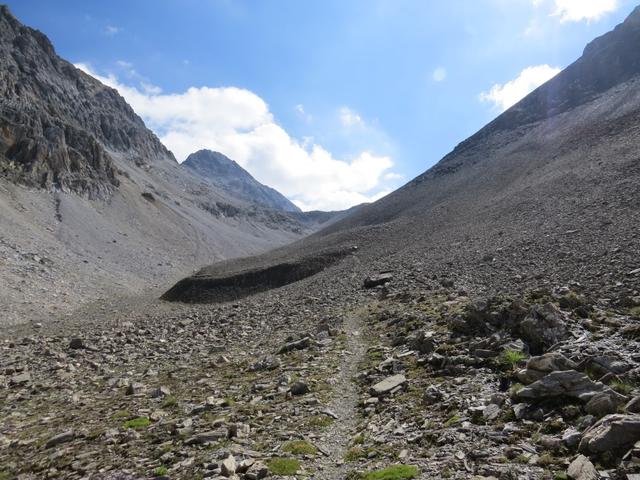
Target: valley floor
[[383, 384]]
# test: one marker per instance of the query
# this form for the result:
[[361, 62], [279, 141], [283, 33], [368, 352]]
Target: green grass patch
[[300, 447], [160, 471], [515, 388], [319, 421], [452, 421], [355, 453], [511, 357], [170, 402], [621, 387], [394, 472], [283, 466], [139, 422]]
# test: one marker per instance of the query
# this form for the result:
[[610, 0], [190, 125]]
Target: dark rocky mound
[[58, 126], [234, 283], [235, 180]]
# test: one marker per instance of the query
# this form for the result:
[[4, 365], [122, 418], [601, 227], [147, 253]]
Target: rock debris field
[[394, 383]]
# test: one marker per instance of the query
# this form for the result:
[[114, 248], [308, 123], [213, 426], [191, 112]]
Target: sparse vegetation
[[319, 421], [160, 471], [300, 447], [621, 387], [515, 388], [394, 472], [452, 420], [356, 453], [511, 358], [135, 423], [283, 466]]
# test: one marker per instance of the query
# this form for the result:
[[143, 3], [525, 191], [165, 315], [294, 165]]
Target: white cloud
[[439, 74], [349, 118], [239, 124], [299, 108], [503, 96], [112, 30], [578, 10]]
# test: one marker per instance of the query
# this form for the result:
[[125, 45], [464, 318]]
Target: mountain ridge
[[62, 126]]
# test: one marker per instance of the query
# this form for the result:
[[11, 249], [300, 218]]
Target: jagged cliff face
[[223, 172], [59, 126]]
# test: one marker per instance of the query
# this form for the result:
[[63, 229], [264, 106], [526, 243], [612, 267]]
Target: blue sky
[[333, 102]]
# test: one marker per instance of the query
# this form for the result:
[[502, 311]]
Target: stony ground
[[394, 383]]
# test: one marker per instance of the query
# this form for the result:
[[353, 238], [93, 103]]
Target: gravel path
[[336, 440]]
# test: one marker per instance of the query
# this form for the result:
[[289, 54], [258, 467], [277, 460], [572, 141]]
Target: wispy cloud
[[238, 123], [439, 74], [349, 118], [112, 30], [579, 10], [302, 113], [504, 96]]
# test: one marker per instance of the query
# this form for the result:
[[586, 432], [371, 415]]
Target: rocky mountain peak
[[59, 127], [225, 173]]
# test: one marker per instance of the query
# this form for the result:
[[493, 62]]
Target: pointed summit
[[226, 174]]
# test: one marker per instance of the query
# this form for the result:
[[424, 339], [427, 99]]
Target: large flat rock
[[388, 384]]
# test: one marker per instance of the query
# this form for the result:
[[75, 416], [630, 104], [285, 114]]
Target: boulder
[[571, 437], [432, 395], [543, 327], [373, 281], [299, 388], [160, 392], [266, 364], [422, 342], [135, 388], [613, 434], [633, 406], [20, 379], [59, 439], [239, 430], [582, 469], [601, 404], [388, 385], [604, 364], [208, 437], [301, 344], [76, 344], [257, 471], [228, 466], [568, 383], [538, 367]]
